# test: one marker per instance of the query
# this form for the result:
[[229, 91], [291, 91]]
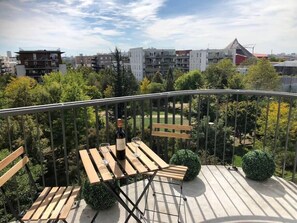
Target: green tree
[[177, 73], [277, 144], [189, 81], [155, 87], [85, 71], [217, 75], [20, 92], [144, 86], [236, 81], [245, 112], [282, 125], [108, 92], [118, 73], [207, 133], [262, 76], [157, 78], [124, 82], [169, 80], [130, 84]]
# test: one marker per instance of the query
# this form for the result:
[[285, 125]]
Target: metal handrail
[[116, 100]]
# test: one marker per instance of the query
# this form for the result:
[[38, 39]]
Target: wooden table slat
[[118, 173], [103, 170], [91, 172], [135, 161], [124, 163], [153, 156], [143, 157]]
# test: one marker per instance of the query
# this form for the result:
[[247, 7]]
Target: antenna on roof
[[251, 46]]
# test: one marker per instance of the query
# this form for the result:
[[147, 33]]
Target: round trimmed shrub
[[98, 196], [258, 165], [187, 158]]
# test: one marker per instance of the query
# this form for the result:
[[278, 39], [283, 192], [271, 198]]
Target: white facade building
[[136, 56], [8, 64], [198, 60]]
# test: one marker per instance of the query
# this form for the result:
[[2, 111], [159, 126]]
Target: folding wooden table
[[97, 171]]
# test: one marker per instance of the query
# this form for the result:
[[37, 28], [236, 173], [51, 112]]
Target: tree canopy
[[262, 76], [217, 75], [189, 81]]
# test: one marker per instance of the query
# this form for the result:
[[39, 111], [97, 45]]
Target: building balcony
[[216, 195], [229, 123]]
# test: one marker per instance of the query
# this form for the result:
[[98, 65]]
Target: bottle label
[[121, 144]]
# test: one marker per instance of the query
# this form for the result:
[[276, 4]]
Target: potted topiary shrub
[[97, 196], [258, 165], [187, 158]]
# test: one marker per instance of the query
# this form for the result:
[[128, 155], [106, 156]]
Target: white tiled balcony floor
[[216, 195]]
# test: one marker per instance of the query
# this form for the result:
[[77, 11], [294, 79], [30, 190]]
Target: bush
[[258, 165], [187, 158], [98, 196]]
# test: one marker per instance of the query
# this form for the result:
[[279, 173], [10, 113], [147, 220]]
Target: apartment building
[[137, 62], [201, 59], [102, 61], [146, 62], [2, 67], [182, 60], [84, 61], [8, 64], [36, 63]]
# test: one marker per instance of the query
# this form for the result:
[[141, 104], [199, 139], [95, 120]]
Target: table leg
[[110, 187], [140, 197]]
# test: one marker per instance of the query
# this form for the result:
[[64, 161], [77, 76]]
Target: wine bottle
[[120, 141]]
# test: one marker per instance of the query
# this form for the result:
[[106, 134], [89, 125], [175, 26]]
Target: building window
[[34, 56]]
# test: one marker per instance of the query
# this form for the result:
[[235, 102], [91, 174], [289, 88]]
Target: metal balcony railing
[[226, 123]]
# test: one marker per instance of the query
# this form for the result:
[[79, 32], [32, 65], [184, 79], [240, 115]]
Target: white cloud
[[90, 26], [268, 24]]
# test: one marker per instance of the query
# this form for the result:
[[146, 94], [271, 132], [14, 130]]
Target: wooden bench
[[53, 203]]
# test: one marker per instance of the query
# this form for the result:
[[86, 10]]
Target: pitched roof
[[236, 45]]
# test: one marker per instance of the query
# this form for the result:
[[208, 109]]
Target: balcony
[[216, 195], [229, 122]]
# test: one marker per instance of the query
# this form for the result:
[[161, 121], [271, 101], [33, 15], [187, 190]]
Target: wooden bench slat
[[13, 170], [44, 204], [7, 160], [172, 126], [36, 204], [67, 207], [62, 201], [53, 203], [171, 135], [91, 172], [177, 168], [173, 176]]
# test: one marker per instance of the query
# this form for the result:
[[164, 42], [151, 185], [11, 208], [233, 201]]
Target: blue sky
[[97, 26]]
